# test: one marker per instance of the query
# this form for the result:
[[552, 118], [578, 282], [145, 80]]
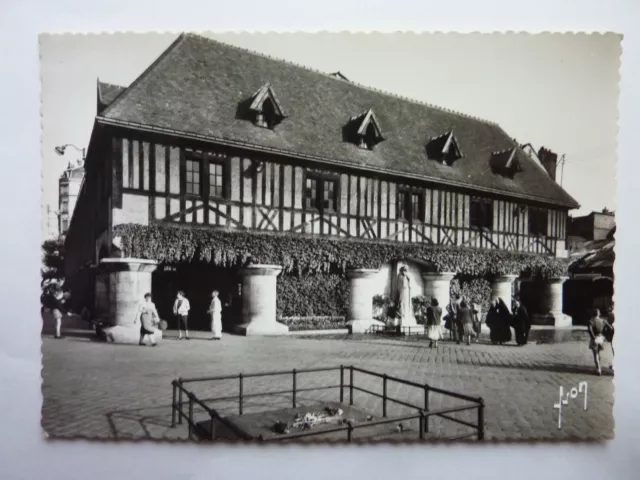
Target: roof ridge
[[145, 73], [330, 75]]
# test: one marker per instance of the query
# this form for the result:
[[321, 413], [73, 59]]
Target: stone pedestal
[[360, 314], [551, 304], [259, 301], [438, 285], [501, 288], [124, 282]]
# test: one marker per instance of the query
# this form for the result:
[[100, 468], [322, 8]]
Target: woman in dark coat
[[465, 323], [521, 323], [493, 322], [506, 319], [434, 320]]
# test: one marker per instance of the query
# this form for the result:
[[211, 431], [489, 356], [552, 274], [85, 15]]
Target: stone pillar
[[259, 301], [438, 285], [552, 302], [501, 288], [360, 314], [128, 280]]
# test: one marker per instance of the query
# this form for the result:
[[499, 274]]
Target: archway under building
[[197, 281]]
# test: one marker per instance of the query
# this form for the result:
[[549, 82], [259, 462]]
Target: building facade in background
[[215, 137], [69, 185]]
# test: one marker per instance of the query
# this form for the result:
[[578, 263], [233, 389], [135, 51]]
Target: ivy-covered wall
[[314, 295], [304, 254]]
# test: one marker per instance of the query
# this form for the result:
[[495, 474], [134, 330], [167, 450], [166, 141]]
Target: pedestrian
[[521, 323], [58, 309], [596, 328], [493, 320], [434, 321], [215, 310], [181, 309], [609, 334], [465, 323], [505, 321], [450, 320], [149, 318], [476, 311]]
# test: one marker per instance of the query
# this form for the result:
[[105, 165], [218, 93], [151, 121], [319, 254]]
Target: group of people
[[464, 322], [149, 319]]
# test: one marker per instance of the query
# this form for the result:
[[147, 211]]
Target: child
[[181, 309]]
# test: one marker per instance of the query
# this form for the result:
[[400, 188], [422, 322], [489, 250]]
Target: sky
[[554, 90]]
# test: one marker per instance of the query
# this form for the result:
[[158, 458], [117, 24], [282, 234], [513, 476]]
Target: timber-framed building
[[214, 136]]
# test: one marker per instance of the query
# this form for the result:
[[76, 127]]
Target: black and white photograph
[[329, 237]]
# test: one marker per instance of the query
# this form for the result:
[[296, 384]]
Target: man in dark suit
[[521, 322]]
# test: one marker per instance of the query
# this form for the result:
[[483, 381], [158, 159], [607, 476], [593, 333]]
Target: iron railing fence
[[423, 412]]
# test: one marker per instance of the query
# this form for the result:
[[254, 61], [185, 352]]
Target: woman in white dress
[[434, 320], [215, 310]]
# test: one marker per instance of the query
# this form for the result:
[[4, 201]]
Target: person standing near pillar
[[181, 309], [465, 323], [434, 320], [215, 310], [149, 318], [451, 318], [521, 323]]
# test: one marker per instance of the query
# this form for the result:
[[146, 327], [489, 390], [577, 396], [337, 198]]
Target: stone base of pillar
[[127, 334], [270, 328], [362, 326], [259, 301], [555, 320]]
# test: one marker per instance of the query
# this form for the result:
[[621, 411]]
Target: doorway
[[197, 282]]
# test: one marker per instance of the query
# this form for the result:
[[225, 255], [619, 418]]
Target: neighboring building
[[591, 283], [214, 136], [593, 227], [69, 185]]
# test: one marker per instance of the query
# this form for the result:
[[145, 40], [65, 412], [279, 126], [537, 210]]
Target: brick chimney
[[549, 161]]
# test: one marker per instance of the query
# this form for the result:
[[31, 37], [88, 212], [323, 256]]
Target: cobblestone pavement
[[100, 390]]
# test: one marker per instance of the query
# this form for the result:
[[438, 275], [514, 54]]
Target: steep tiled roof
[[196, 86]]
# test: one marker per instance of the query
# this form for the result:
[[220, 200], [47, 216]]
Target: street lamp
[[60, 149]]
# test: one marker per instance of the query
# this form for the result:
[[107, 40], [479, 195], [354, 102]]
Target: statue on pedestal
[[404, 307]]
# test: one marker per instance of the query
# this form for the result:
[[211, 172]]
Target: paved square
[[99, 390]]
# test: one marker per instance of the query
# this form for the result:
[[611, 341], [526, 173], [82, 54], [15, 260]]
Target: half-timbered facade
[[217, 187], [214, 136]]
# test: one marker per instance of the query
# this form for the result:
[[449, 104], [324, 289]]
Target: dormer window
[[265, 108], [444, 149], [505, 162], [364, 130], [339, 76]]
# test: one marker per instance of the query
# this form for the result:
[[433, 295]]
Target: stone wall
[[135, 209]]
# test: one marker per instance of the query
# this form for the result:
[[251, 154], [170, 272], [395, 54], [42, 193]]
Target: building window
[[192, 177], [409, 206], [64, 207], [216, 179], [538, 218], [481, 213], [329, 195], [64, 189], [65, 225], [321, 194]]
